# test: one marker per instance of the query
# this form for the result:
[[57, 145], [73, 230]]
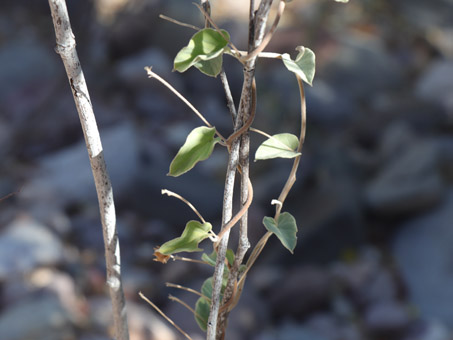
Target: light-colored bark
[[66, 48]]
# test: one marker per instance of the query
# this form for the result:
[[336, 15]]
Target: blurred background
[[373, 200]]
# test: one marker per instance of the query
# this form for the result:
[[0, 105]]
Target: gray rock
[[145, 322], [66, 175], [422, 249], [291, 332], [397, 138], [300, 292], [429, 330], [25, 62], [424, 15], [364, 65], [326, 106], [36, 318], [332, 328], [248, 316], [387, 317], [24, 245], [409, 183], [436, 83]]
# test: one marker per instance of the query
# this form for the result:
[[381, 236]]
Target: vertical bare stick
[[66, 49]]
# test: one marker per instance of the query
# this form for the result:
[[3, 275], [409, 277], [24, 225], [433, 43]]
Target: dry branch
[[66, 48]]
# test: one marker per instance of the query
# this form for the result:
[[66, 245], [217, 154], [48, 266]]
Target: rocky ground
[[374, 197]]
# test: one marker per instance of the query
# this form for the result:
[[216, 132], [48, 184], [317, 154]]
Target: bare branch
[[66, 48], [268, 37], [180, 23], [152, 74], [190, 205], [228, 95]]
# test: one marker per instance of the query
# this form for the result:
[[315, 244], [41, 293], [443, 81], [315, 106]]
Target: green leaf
[[193, 233], [204, 51], [285, 229], [210, 67], [197, 147], [212, 258], [203, 304], [283, 145], [202, 308], [303, 65]]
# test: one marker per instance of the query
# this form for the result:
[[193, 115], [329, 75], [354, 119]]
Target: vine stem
[[239, 153], [66, 49]]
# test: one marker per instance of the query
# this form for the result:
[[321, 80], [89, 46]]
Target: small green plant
[[220, 293]]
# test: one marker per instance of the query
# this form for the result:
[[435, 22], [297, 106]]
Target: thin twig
[[68, 53], [174, 298], [186, 259], [10, 194], [190, 290], [190, 205], [165, 316], [228, 95], [180, 23], [250, 119], [240, 213], [152, 74]]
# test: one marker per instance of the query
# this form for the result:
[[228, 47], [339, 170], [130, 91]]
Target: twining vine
[[220, 293]]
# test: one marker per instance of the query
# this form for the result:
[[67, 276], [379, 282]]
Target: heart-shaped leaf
[[283, 145], [303, 65], [197, 147], [203, 304], [285, 229], [204, 51], [193, 234]]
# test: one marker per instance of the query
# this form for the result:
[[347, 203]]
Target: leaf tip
[[160, 257]]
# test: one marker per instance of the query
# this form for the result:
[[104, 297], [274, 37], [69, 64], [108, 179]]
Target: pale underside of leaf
[[197, 147], [283, 145], [193, 234], [285, 229], [204, 51], [304, 64]]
